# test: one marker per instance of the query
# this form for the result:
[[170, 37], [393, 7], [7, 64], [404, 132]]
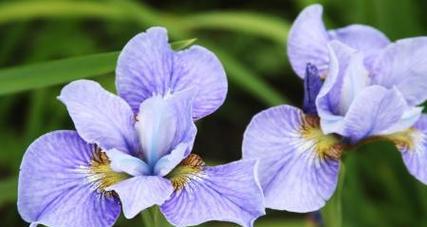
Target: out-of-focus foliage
[[46, 43]]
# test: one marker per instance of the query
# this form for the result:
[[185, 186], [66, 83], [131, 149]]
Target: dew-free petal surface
[[99, 116], [229, 192], [293, 175], [53, 187], [147, 66]]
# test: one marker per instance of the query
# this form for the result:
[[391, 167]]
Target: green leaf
[[179, 45], [266, 26], [247, 80], [56, 72], [46, 74], [26, 10], [61, 71]]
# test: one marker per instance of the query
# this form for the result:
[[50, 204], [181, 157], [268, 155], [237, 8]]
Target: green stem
[[152, 217], [332, 212], [146, 218]]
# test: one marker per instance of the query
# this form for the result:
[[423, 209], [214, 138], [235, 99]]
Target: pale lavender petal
[[409, 117], [360, 37], [413, 145], [53, 190], [148, 66], [374, 110], [138, 193], [330, 99], [144, 67], [293, 173], [170, 161], [228, 192], [100, 117], [163, 123], [404, 65], [307, 41], [198, 67], [355, 78], [298, 182], [125, 163]]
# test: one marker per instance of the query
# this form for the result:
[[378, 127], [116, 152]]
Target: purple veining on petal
[[100, 117], [228, 192], [147, 66], [308, 39], [299, 165], [403, 65], [56, 190], [141, 192], [350, 104]]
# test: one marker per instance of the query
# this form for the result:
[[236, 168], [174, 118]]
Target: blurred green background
[[248, 36]]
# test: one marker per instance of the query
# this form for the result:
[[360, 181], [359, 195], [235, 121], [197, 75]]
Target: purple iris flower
[[359, 63], [372, 86], [133, 151], [358, 85]]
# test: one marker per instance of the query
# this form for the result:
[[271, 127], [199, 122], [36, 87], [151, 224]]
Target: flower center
[[325, 145], [190, 168], [100, 173]]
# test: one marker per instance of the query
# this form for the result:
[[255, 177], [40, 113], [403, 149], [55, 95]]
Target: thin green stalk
[[152, 217], [332, 212], [146, 219]]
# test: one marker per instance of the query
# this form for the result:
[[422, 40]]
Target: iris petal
[[375, 111], [54, 188], [361, 37], [138, 193], [148, 66], [299, 165], [122, 162], [100, 117], [308, 38], [413, 145], [307, 41], [403, 65], [224, 193], [163, 123]]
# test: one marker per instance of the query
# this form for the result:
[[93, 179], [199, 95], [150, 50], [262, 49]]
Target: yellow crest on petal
[[406, 140], [325, 145], [100, 174], [190, 167]]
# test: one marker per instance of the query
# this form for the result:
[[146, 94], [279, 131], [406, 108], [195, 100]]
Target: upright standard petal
[[404, 65], [332, 102], [163, 123], [307, 41], [56, 190], [413, 145], [299, 165], [199, 68], [360, 37], [100, 117], [138, 193], [228, 192], [147, 66], [374, 112]]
